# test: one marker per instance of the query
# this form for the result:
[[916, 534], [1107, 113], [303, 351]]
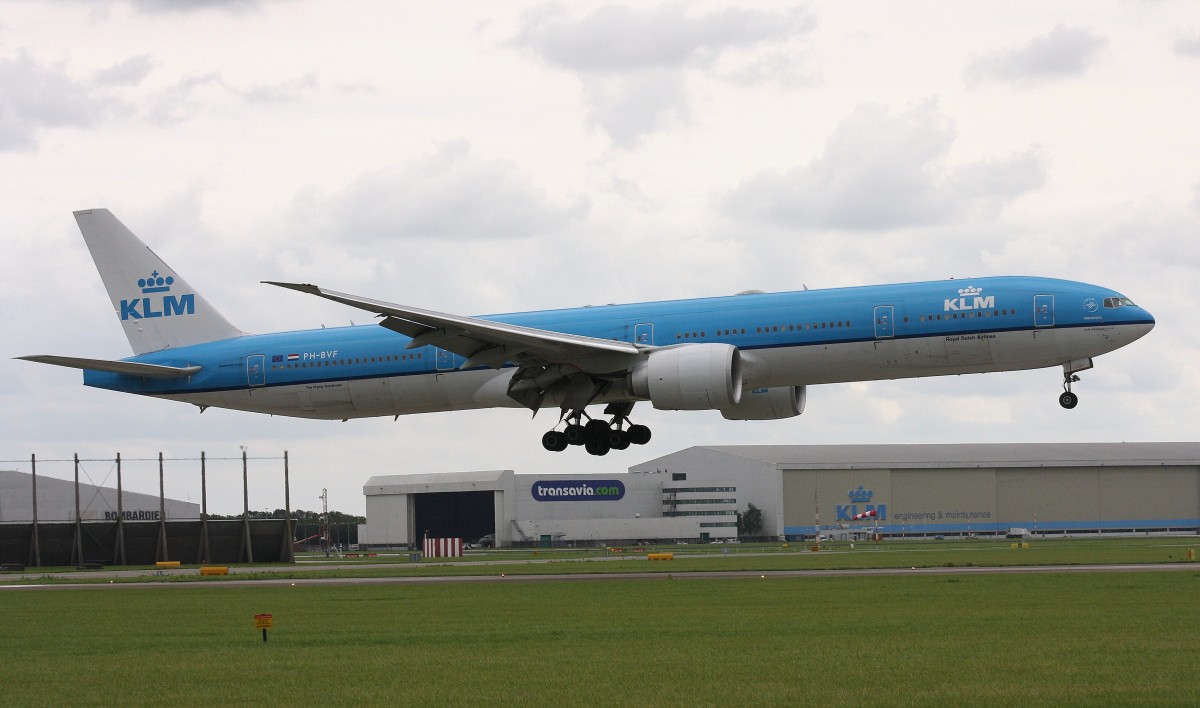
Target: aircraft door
[[1043, 310], [884, 325], [445, 360], [256, 370], [643, 334]]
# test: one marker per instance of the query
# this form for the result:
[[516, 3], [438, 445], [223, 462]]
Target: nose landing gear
[[1068, 399]]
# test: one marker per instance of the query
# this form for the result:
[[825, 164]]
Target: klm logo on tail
[[160, 304]]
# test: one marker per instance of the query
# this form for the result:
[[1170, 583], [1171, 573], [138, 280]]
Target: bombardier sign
[[577, 490]]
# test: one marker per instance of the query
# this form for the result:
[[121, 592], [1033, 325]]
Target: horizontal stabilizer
[[129, 368]]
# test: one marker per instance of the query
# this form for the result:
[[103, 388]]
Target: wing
[[576, 367], [129, 368]]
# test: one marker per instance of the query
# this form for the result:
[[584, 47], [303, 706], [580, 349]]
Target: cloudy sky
[[476, 157]]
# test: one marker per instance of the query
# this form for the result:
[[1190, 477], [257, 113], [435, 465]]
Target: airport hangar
[[915, 490], [56, 500]]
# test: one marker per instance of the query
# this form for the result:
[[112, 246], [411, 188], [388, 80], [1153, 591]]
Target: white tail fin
[[157, 308]]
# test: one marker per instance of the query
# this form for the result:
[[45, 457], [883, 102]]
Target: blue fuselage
[[786, 339]]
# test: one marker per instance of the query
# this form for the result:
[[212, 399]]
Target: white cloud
[[196, 94], [618, 39], [127, 73], [34, 96], [882, 170], [630, 107], [633, 62], [1188, 46], [450, 195], [1063, 52], [786, 68], [192, 5]]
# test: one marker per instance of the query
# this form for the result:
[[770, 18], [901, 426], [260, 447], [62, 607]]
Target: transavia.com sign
[[578, 490]]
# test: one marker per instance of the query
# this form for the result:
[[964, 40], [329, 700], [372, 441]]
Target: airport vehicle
[[749, 356]]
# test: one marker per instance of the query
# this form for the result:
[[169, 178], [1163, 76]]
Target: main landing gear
[[598, 436]]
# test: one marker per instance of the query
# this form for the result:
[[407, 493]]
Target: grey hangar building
[[696, 494]]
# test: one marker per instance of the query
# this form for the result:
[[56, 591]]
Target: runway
[[565, 577]]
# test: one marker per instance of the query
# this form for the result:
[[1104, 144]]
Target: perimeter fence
[[84, 523]]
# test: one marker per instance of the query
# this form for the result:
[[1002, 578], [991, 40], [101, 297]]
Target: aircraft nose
[[1146, 320]]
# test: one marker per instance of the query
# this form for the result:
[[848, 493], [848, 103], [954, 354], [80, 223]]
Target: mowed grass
[[703, 558], [1052, 639], [774, 557]]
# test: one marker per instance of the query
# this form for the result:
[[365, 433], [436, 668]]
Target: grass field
[[1053, 639], [735, 557]]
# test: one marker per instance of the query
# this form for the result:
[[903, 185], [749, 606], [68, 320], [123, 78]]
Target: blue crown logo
[[156, 283], [860, 495]]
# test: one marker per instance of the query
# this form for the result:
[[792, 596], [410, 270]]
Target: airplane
[[750, 356]]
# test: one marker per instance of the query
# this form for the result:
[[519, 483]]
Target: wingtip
[[302, 287]]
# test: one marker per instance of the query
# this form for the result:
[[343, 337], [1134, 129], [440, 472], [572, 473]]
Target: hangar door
[[465, 515]]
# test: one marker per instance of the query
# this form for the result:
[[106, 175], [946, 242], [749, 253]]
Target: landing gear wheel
[[639, 434], [598, 447], [596, 430], [618, 439], [554, 441], [575, 434]]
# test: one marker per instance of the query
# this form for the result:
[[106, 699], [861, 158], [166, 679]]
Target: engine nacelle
[[691, 377], [768, 404]]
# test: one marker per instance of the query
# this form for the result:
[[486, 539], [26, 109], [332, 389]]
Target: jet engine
[[690, 377], [768, 404]]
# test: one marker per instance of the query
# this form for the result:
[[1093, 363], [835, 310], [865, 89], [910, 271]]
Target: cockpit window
[[1115, 302]]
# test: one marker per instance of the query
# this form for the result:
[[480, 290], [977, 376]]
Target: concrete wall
[[757, 482], [991, 500], [594, 530], [388, 520]]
